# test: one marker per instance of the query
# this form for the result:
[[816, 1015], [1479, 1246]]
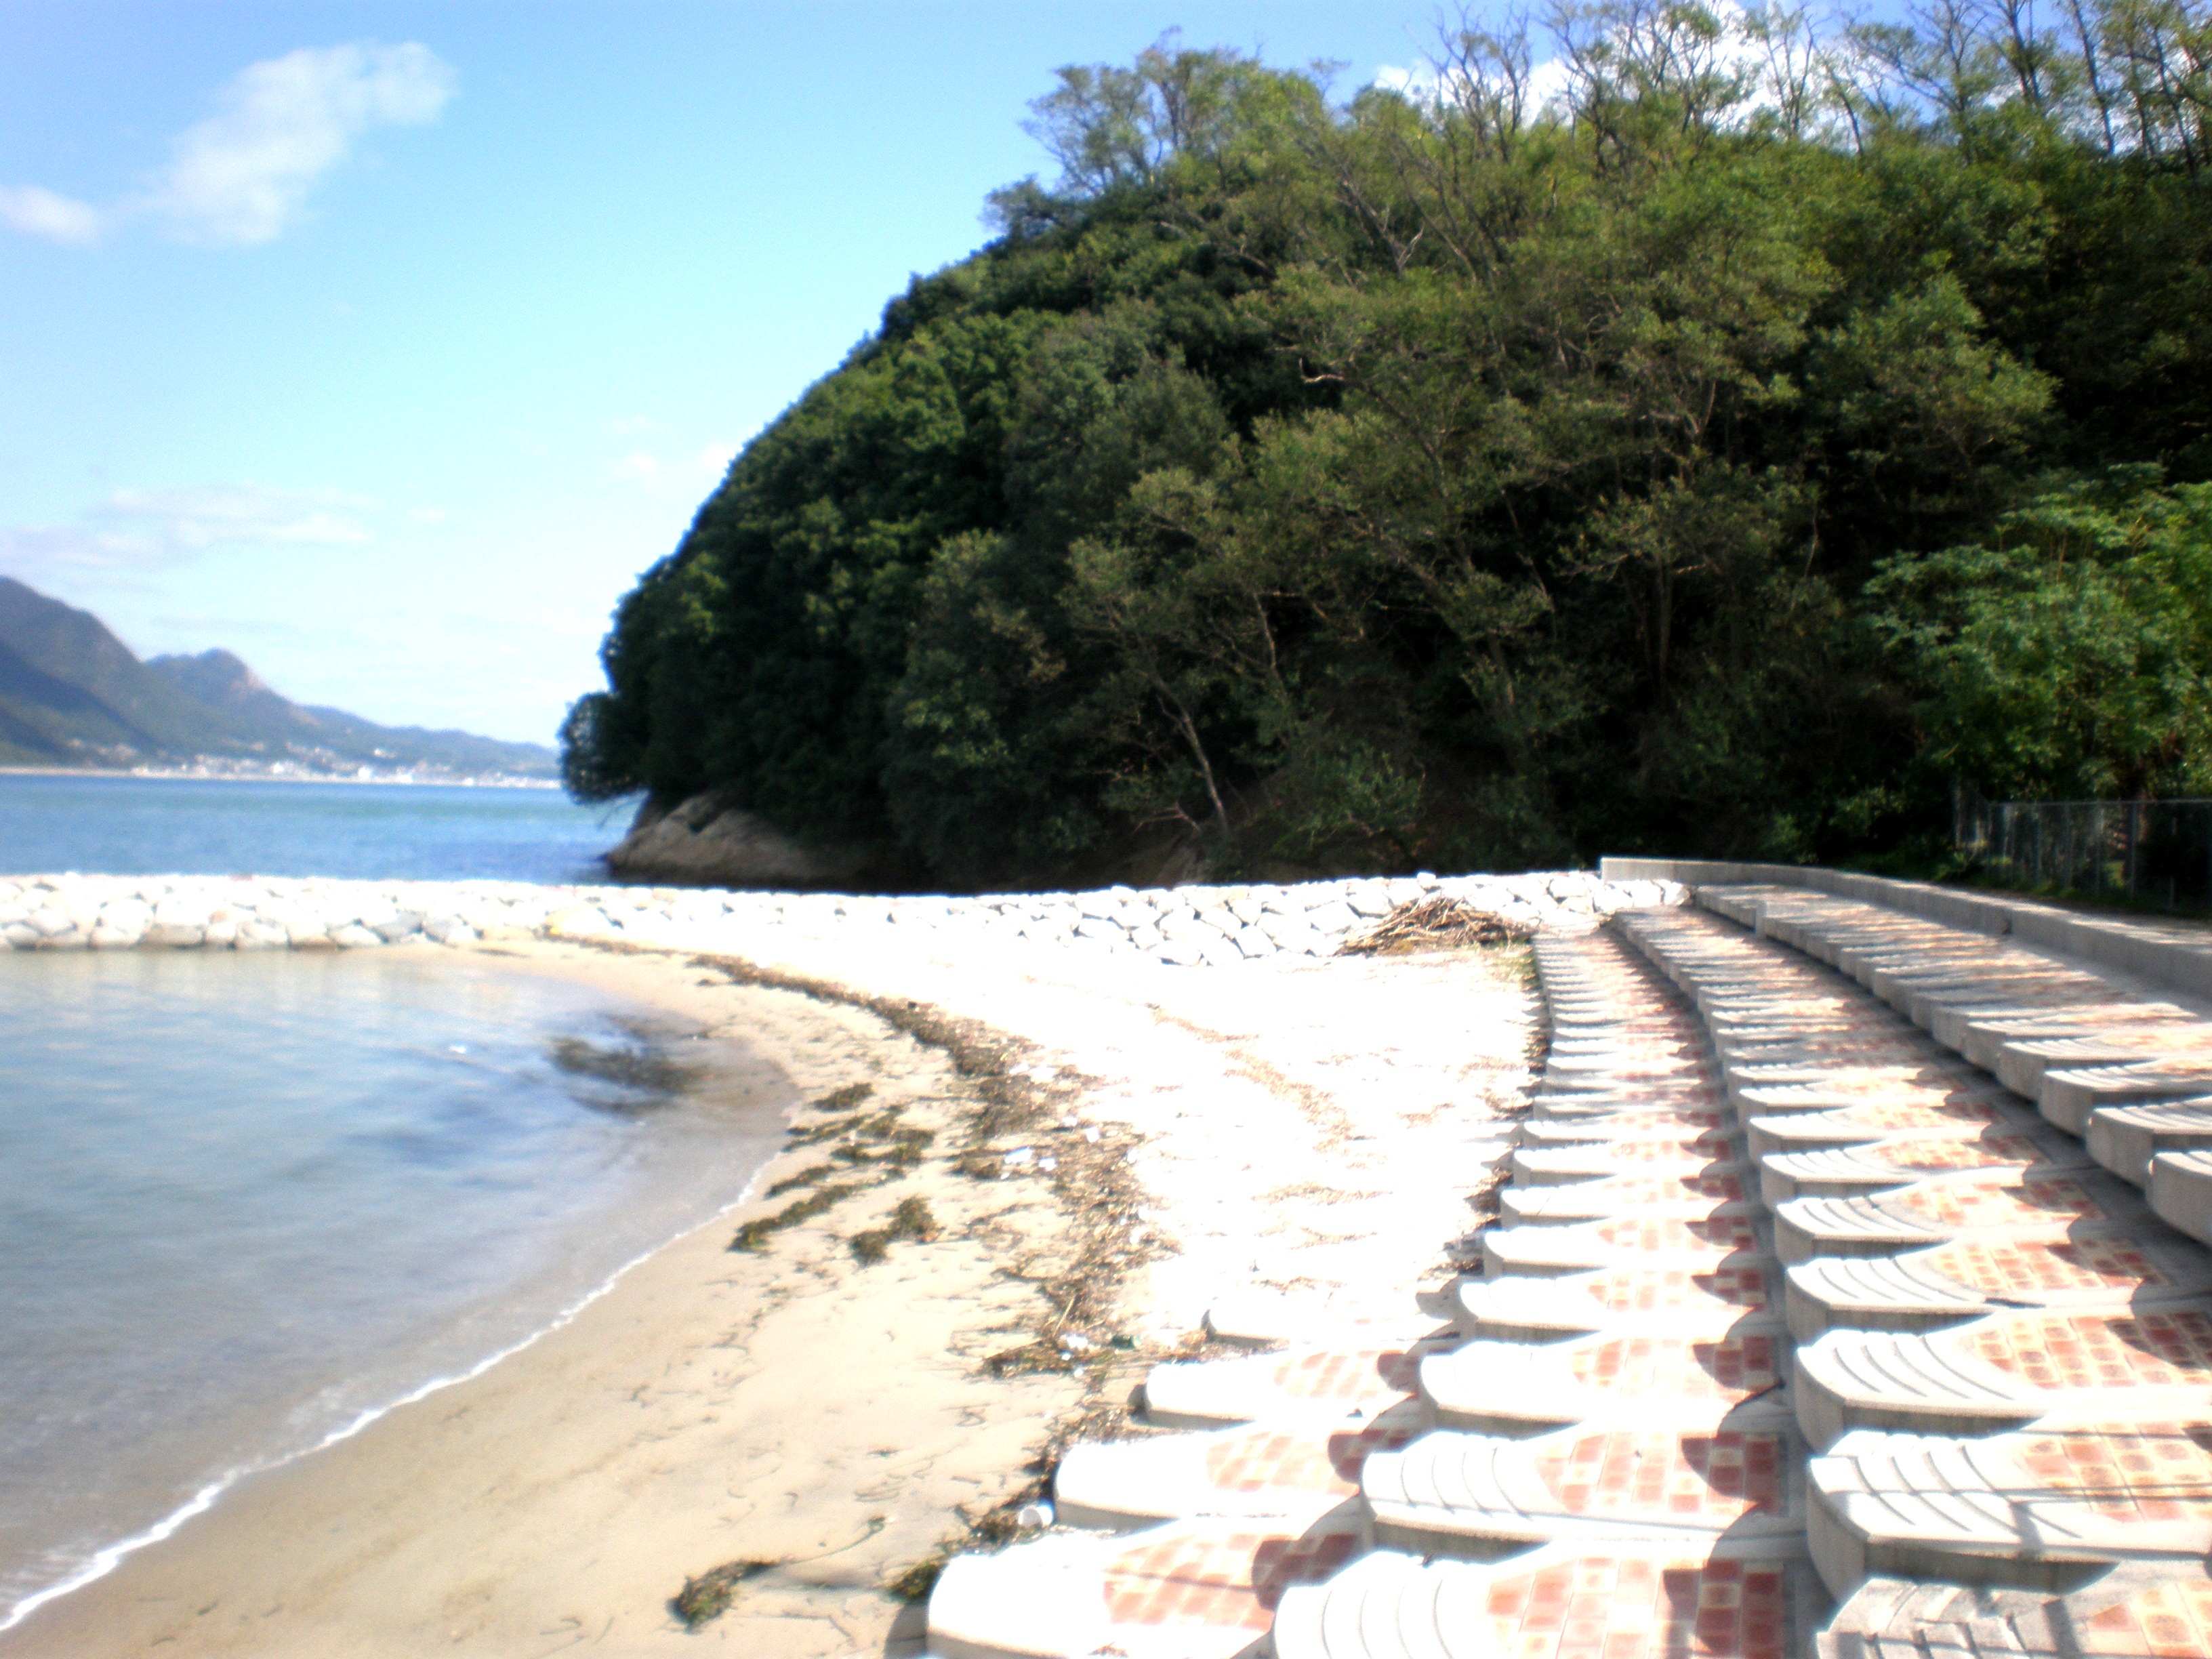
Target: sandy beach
[[1100, 1152]]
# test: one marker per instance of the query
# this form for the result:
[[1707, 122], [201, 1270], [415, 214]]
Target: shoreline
[[1071, 1049], [307, 1511], [179, 776]]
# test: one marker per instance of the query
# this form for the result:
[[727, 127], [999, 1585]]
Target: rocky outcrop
[[708, 842]]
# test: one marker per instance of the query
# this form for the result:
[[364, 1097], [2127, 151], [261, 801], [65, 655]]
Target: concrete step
[[1514, 1388], [1188, 1589], [1899, 1160], [1989, 1203], [2028, 1510], [1680, 1300], [1855, 1126], [2181, 1192], [1295, 1470], [1700, 1194], [2090, 1266], [2134, 1612], [1479, 1497], [1257, 1318], [1670, 1241], [1300, 1383], [1757, 1599], [2054, 1367], [1600, 1159], [2125, 1139]]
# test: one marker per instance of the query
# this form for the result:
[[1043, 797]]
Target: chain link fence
[[2154, 853]]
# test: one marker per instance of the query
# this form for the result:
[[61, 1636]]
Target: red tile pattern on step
[[2009, 1269], [1943, 1152], [2096, 1351], [2173, 1621], [1970, 1204], [1348, 1374], [1604, 1607], [1712, 1145], [1707, 1477], [1297, 1460], [1624, 1122], [1966, 1118], [1623, 1191], [1226, 1582], [1733, 1368], [1649, 1289], [2129, 1471], [1721, 1234]]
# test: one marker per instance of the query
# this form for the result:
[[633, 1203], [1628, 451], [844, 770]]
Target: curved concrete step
[[1756, 1600], [1947, 1284], [2127, 1139], [1509, 1387], [1302, 1383], [1840, 1094], [1481, 1496], [2025, 1202], [1683, 1112], [1296, 1472], [1837, 1171], [2028, 1509], [1684, 1300], [1854, 1126], [2051, 1367], [2181, 1192], [2162, 1612], [1874, 1063], [1642, 1195], [1342, 1317], [1189, 1589], [2069, 1098], [2022, 1062], [1601, 1159], [2067, 1006], [1709, 1135], [1622, 1241]]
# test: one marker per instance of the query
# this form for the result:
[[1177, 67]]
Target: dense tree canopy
[[1715, 458]]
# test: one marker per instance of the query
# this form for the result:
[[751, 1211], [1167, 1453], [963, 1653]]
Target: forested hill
[[72, 695], [1720, 459]]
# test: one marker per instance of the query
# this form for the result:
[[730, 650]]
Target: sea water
[[126, 826], [248, 1202]]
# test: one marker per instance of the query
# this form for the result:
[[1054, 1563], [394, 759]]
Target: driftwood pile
[[1435, 923]]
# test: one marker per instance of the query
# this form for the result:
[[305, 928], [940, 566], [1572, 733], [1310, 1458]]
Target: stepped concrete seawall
[[1848, 1293]]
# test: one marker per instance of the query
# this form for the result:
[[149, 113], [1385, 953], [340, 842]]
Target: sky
[[385, 344]]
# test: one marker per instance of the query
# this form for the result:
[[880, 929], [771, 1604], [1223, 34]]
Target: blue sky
[[385, 344]]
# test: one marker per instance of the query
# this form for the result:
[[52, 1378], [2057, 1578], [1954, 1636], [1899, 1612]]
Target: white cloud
[[31, 552], [714, 459], [1546, 89], [244, 174], [37, 211], [640, 468], [193, 520], [140, 530]]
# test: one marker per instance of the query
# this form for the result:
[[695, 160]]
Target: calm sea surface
[[373, 832], [248, 1201]]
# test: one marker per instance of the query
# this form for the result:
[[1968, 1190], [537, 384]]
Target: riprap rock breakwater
[[1185, 926]]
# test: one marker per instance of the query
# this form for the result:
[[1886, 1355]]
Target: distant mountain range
[[71, 694]]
